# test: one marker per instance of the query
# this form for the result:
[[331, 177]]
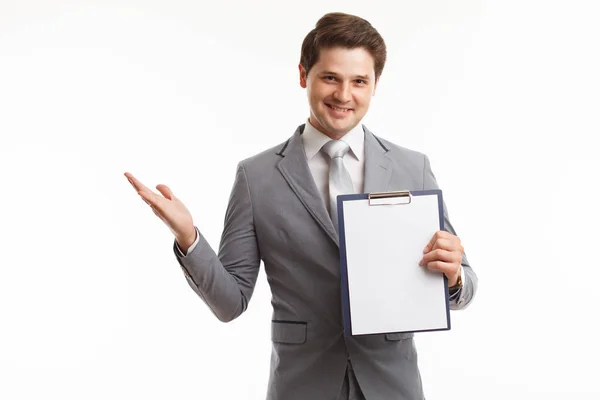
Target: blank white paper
[[388, 290]]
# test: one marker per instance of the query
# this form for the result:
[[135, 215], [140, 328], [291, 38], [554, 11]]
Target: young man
[[281, 211]]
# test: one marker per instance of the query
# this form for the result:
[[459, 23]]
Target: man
[[280, 212]]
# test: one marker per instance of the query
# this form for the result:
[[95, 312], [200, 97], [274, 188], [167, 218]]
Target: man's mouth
[[339, 109]]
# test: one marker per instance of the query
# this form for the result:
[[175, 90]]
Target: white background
[[503, 96]]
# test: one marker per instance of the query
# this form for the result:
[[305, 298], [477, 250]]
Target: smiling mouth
[[339, 109]]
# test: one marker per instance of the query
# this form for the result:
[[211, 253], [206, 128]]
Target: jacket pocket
[[395, 337], [292, 332]]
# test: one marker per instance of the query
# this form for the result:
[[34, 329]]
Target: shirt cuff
[[191, 247], [455, 295]]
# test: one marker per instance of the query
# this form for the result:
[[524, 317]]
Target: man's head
[[341, 61]]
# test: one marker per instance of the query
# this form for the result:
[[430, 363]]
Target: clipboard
[[382, 237]]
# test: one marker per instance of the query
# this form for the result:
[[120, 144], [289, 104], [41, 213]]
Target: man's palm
[[167, 207]]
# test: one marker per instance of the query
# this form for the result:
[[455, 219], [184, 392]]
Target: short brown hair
[[343, 30]]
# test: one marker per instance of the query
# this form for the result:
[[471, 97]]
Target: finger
[[444, 244], [441, 266], [449, 242], [439, 235], [450, 270], [430, 244], [165, 191], [130, 178], [137, 185], [152, 199], [439, 255], [432, 241]]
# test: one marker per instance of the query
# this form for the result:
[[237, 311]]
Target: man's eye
[[330, 78], [361, 82]]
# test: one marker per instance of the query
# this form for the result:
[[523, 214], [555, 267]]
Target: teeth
[[339, 109]]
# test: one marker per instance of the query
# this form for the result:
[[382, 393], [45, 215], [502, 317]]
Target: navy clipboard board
[[384, 290]]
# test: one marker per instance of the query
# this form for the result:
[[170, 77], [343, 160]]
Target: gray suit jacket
[[276, 214]]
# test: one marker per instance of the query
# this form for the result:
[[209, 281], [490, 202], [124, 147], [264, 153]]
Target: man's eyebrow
[[363, 77]]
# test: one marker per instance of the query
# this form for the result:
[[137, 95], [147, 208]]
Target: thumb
[[165, 191]]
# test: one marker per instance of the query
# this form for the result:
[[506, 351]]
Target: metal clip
[[374, 198]]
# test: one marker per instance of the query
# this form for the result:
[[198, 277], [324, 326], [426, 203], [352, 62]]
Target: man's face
[[339, 87]]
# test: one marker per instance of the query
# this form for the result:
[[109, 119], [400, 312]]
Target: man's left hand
[[444, 253]]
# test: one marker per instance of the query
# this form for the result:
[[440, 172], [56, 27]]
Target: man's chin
[[341, 129], [336, 127]]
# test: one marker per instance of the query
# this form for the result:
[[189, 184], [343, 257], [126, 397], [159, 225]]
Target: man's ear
[[302, 76], [375, 86]]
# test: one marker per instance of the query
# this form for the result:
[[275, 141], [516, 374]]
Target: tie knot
[[336, 148]]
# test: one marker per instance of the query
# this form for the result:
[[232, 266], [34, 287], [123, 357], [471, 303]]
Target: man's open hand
[[169, 209]]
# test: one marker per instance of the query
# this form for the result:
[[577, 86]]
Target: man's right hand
[[170, 210]]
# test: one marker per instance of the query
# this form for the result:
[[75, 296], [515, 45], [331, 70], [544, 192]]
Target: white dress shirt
[[318, 162]]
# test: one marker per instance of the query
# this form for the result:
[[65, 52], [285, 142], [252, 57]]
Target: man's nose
[[342, 93]]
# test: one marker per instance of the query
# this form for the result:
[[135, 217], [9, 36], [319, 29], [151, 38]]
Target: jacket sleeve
[[466, 294], [226, 281]]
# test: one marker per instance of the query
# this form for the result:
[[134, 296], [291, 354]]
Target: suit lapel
[[294, 168], [378, 165]]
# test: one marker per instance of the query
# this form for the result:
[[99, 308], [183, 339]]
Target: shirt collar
[[313, 140]]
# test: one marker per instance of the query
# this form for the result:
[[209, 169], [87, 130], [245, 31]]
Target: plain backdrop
[[503, 96]]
